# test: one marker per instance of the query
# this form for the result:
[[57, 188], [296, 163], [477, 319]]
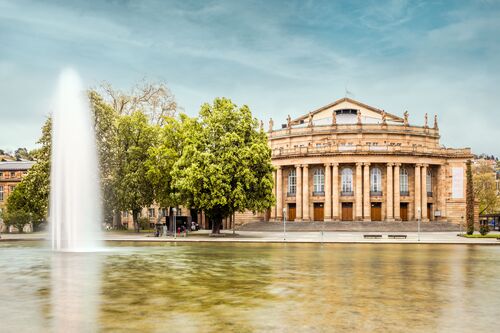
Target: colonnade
[[362, 198]]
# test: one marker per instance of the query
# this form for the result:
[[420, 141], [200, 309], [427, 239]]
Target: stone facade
[[351, 161]]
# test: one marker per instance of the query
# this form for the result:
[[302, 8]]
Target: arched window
[[403, 181], [292, 181], [346, 180], [429, 181], [375, 180], [319, 180]]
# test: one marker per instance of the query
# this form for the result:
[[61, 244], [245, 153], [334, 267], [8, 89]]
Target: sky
[[277, 57]]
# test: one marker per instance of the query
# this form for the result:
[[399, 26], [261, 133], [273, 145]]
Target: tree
[[225, 164], [485, 188], [17, 218], [31, 195], [105, 125], [23, 154], [469, 205], [154, 99], [133, 189]]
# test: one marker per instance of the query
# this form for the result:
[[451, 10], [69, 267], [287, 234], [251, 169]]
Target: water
[[251, 288], [75, 208]]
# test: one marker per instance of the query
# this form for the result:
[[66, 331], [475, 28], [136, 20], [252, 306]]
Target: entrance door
[[403, 211], [429, 211], [376, 211], [291, 212], [319, 211], [347, 211]]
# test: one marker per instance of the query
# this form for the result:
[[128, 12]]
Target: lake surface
[[229, 287]]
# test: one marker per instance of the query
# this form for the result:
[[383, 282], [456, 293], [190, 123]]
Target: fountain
[[75, 207]]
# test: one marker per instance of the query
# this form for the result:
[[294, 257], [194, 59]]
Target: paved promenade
[[277, 237]]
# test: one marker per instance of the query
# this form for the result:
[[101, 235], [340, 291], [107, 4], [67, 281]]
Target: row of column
[[361, 193]]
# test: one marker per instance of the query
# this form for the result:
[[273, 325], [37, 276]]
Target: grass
[[497, 235]]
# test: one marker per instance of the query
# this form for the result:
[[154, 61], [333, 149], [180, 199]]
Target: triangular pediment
[[369, 113]]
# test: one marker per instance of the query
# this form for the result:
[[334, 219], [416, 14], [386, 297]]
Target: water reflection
[[75, 291], [254, 288]]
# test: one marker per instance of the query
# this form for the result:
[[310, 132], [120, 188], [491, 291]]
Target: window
[[292, 181], [125, 214], [12, 174], [1, 192], [11, 188], [403, 182], [319, 181], [346, 180], [375, 181], [429, 182], [151, 212], [1, 174], [163, 212]]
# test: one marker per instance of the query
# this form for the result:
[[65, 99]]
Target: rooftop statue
[[406, 118], [359, 117], [425, 120], [261, 125], [310, 120], [289, 122], [435, 121], [334, 118], [384, 117], [271, 124]]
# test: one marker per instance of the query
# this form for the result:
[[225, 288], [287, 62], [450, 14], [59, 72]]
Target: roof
[[16, 165], [389, 116]]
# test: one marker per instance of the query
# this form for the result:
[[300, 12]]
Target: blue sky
[[278, 57]]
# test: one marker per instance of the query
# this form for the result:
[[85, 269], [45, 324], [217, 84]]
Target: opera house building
[[348, 161]]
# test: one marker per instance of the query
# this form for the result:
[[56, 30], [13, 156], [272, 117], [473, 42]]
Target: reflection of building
[[350, 161], [11, 173]]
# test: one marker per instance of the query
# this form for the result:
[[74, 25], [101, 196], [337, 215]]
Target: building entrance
[[376, 211], [319, 211], [429, 211], [403, 211], [347, 211], [291, 212]]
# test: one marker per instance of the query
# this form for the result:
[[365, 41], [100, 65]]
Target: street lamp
[[461, 221], [174, 211], [418, 221], [284, 224]]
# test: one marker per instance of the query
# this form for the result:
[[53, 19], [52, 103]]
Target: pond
[[222, 287]]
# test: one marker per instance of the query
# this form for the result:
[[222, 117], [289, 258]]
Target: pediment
[[369, 114]]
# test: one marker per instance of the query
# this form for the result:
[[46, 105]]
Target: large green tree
[[485, 191], [469, 200], [133, 189], [32, 194], [225, 166]]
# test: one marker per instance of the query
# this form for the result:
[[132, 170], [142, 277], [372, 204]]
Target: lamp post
[[174, 211], [418, 223], [284, 224], [461, 221]]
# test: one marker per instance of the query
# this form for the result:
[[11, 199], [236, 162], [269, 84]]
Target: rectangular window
[[11, 188], [12, 174], [163, 212], [151, 212], [1, 192]]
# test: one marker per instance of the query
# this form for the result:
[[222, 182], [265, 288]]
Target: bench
[[373, 236], [396, 236]]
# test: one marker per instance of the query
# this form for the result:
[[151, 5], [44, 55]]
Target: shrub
[[17, 218], [484, 228], [144, 223]]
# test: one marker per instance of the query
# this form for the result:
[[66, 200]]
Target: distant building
[[348, 161], [11, 174]]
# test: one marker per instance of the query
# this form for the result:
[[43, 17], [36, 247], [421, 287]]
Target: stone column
[[298, 194], [335, 192], [273, 208], [359, 193], [441, 192], [366, 193], [418, 194], [424, 193], [389, 194], [397, 205], [328, 192], [306, 192], [279, 194]]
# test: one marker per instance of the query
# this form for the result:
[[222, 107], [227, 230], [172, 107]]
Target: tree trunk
[[117, 219], [216, 224], [135, 218]]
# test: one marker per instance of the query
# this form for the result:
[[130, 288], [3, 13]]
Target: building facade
[[348, 161]]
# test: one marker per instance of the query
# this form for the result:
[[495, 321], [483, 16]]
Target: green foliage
[[485, 189], [133, 189], [23, 154], [469, 208], [17, 218], [225, 164], [484, 228], [32, 194], [144, 223]]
